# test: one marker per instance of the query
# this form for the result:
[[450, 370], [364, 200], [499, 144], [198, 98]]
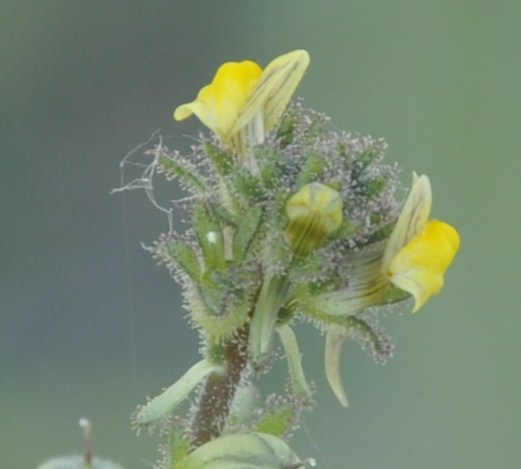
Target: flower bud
[[314, 212]]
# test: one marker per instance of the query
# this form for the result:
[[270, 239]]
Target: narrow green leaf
[[334, 341], [210, 237], [186, 258], [262, 326], [222, 161], [313, 166], [293, 357], [161, 406], [245, 233], [186, 175]]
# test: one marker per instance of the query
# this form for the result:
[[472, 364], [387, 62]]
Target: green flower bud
[[314, 212]]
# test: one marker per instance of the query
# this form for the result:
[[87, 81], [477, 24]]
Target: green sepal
[[233, 313], [276, 421], [210, 237], [245, 232], [394, 295], [216, 298], [287, 128], [179, 447], [222, 161], [370, 335], [367, 157], [312, 168], [372, 187], [270, 162], [174, 168], [382, 234], [246, 184], [224, 215], [185, 257], [347, 229]]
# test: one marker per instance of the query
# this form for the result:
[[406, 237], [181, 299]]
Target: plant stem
[[219, 390]]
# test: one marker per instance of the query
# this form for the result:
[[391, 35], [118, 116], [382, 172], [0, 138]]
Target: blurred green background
[[89, 325]]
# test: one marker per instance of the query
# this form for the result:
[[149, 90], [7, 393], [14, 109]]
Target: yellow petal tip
[[419, 266]]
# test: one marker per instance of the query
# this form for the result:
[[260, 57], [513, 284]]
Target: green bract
[[243, 451]]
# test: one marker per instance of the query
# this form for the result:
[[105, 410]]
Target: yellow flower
[[419, 250], [417, 254], [243, 103]]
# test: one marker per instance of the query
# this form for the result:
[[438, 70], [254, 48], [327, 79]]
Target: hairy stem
[[218, 392]]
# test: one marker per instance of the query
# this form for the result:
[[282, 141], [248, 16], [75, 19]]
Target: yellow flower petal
[[418, 268], [243, 103], [218, 104]]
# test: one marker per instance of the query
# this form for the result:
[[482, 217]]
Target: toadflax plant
[[289, 221]]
